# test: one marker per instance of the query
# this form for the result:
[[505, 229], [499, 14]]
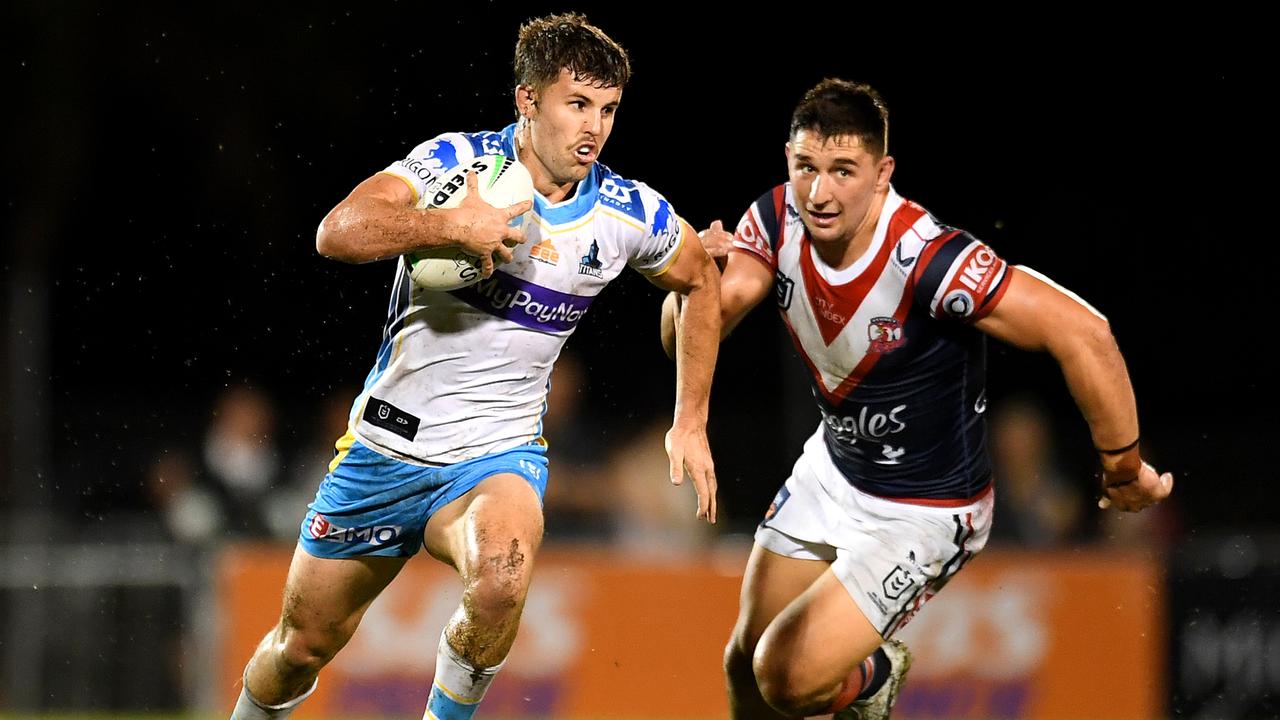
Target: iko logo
[[975, 271], [958, 303], [321, 529], [784, 288], [590, 263]]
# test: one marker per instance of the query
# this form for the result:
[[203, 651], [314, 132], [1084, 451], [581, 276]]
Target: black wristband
[[1120, 451]]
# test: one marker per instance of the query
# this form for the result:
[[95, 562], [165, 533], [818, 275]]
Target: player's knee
[[305, 652], [737, 661], [786, 690], [500, 583], [303, 648]]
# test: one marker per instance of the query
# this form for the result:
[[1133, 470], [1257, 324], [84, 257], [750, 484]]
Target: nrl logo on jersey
[[783, 288], [885, 334]]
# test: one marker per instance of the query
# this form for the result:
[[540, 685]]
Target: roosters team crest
[[885, 334]]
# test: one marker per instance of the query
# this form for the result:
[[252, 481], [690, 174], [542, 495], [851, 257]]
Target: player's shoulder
[[633, 199], [773, 210], [445, 151], [909, 220]]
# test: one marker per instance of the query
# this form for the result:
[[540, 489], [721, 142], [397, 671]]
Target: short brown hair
[[553, 43], [837, 107]]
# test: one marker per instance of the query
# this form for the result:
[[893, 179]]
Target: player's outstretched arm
[[693, 275], [378, 220], [1036, 314], [743, 284]]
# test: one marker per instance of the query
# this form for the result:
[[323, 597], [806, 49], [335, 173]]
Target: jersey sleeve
[[758, 230], [960, 277], [428, 161], [658, 244]]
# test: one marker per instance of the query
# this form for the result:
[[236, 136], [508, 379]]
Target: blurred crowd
[[236, 482]]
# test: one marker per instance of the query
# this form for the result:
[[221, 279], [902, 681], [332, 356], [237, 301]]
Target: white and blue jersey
[[463, 374]]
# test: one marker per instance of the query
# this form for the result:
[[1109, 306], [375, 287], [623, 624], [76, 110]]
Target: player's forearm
[[1096, 375], [361, 230], [668, 323], [698, 330]]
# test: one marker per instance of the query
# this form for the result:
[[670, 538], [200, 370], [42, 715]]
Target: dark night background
[[166, 169]]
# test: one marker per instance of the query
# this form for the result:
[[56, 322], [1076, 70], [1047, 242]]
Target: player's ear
[[526, 101], [884, 171]]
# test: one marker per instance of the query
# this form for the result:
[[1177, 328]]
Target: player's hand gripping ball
[[503, 181]]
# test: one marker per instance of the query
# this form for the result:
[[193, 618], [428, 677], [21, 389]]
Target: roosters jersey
[[464, 373], [896, 369]]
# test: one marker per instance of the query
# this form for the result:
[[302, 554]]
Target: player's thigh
[[495, 525], [771, 583], [326, 597], [819, 637]]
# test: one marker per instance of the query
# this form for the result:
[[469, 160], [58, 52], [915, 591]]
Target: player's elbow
[[333, 239], [1089, 334], [705, 278]]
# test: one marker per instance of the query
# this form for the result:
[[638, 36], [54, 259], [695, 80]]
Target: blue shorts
[[370, 504]]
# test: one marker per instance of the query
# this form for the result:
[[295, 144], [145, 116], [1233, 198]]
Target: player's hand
[[717, 242], [485, 231], [688, 450], [1130, 492]]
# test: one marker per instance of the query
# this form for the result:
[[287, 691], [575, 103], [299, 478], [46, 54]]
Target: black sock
[[878, 675]]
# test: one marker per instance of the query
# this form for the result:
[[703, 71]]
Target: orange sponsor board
[[603, 635], [1041, 635], [610, 635]]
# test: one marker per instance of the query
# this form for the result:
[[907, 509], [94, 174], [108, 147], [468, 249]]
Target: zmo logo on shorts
[[321, 529]]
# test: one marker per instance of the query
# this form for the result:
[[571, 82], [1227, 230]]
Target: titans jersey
[[897, 371], [464, 373]]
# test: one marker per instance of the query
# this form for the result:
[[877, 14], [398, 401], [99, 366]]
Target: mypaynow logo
[[523, 302]]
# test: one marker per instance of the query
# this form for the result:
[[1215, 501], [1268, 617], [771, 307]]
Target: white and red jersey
[[897, 371]]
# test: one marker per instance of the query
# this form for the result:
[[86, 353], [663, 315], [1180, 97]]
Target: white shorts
[[891, 556]]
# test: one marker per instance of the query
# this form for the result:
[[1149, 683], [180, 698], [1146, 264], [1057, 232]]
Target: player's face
[[567, 124], [835, 181]]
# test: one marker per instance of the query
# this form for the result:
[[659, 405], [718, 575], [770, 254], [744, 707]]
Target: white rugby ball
[[503, 181]]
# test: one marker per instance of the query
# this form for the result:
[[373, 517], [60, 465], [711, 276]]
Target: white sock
[[249, 708], [458, 687]]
